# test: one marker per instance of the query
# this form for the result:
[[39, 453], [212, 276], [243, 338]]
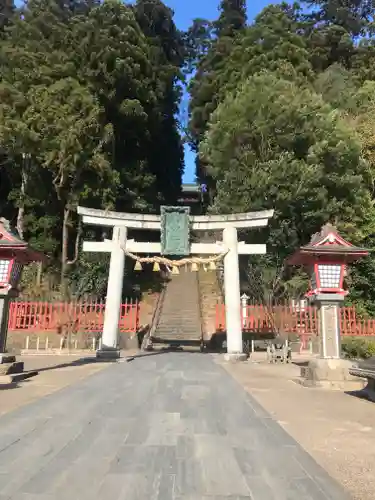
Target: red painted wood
[[285, 319], [78, 317]]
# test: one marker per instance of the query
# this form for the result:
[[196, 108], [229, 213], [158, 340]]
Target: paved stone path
[[169, 426]]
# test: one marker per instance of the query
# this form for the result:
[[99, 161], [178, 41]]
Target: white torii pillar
[[109, 347], [232, 296]]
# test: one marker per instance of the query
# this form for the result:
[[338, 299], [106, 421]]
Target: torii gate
[[121, 222]]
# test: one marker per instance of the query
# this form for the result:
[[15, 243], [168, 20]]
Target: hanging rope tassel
[[138, 266], [173, 266]]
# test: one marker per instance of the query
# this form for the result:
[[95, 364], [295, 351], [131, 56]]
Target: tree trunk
[[39, 273], [21, 207], [64, 249]]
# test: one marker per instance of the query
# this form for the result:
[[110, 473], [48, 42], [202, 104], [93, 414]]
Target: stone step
[[175, 331], [7, 358], [177, 328], [179, 320], [180, 316], [11, 368], [171, 338], [16, 377], [183, 335]]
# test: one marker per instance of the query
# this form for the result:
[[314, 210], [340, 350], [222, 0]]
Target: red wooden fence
[[301, 321], [82, 317], [352, 326]]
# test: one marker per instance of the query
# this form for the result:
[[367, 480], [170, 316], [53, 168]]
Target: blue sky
[[185, 12]]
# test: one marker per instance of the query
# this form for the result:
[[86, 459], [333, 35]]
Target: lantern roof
[[12, 245], [327, 244]]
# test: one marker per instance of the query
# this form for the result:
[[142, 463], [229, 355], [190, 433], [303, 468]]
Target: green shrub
[[355, 347]]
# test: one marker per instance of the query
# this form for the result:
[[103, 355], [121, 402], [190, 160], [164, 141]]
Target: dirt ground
[[335, 427]]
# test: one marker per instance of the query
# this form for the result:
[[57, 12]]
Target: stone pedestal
[[235, 357], [330, 374], [11, 370], [4, 315], [108, 354], [329, 370]]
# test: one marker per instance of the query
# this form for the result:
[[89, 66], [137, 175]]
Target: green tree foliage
[[272, 43], [6, 13], [232, 17], [333, 28], [275, 145], [356, 103], [205, 87], [165, 154], [89, 95], [284, 120]]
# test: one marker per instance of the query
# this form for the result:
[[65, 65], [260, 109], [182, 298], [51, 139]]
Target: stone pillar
[[329, 325], [110, 347], [329, 370], [232, 297], [4, 315]]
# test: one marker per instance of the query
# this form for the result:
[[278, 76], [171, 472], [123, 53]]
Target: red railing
[[301, 321], [82, 317], [274, 319], [352, 326]]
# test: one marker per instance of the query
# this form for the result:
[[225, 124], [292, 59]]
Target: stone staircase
[[210, 295], [179, 320]]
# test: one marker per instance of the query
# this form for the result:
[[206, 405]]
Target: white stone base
[[330, 374], [235, 357], [108, 354]]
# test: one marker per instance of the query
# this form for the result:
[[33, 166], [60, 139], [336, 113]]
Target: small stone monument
[[327, 256]]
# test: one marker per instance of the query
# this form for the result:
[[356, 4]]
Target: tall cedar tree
[[164, 149], [204, 87], [232, 17], [333, 28], [89, 94]]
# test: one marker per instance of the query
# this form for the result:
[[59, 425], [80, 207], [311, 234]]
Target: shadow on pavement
[[360, 394], [75, 362], [7, 387]]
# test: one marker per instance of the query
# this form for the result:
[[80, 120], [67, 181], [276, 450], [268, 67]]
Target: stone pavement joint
[[173, 426]]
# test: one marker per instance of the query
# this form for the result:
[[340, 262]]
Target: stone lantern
[[14, 254], [326, 257]]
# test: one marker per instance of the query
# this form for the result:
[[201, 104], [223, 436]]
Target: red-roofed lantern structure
[[14, 254], [326, 257]]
